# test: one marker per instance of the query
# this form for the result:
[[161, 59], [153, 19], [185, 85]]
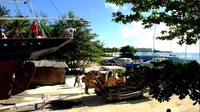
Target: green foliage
[[110, 50], [18, 28], [137, 76], [120, 72], [3, 12], [128, 51], [181, 79], [168, 78], [181, 16], [84, 49]]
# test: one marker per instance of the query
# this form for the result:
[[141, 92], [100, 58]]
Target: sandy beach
[[93, 103]]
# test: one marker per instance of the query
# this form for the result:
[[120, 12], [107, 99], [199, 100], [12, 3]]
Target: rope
[[17, 9], [55, 8], [43, 33], [59, 12], [35, 15]]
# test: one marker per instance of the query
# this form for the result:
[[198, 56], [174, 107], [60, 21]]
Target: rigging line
[[43, 33], [17, 9], [60, 14], [55, 8], [36, 16], [32, 12], [18, 12], [31, 9]]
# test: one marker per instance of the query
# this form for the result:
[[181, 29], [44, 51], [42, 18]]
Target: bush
[[168, 78]]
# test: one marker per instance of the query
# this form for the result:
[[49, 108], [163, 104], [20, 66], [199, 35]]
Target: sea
[[188, 56]]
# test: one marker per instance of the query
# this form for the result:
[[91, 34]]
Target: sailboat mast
[[186, 45], [154, 37], [199, 50]]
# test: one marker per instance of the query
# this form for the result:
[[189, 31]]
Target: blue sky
[[99, 14]]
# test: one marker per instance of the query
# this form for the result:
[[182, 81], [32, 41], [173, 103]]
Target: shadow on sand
[[91, 101]]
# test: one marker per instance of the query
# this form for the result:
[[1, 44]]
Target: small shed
[[49, 72]]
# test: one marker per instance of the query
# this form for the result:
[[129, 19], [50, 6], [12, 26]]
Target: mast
[[186, 45], [154, 37], [199, 50]]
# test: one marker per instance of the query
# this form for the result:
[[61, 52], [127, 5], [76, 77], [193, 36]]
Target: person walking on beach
[[78, 80]]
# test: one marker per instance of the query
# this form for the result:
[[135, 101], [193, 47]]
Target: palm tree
[[18, 28], [3, 12]]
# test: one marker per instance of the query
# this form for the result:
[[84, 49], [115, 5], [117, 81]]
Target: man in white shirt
[[69, 32], [2, 35]]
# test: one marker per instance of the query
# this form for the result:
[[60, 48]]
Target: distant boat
[[157, 57]]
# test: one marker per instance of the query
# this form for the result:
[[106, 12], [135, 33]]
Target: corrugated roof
[[50, 63]]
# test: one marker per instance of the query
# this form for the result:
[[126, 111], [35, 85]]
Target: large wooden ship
[[15, 71]]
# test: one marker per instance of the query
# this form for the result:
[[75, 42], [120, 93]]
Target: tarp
[[50, 63]]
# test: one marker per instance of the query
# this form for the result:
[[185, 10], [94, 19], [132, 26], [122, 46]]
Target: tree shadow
[[91, 101]]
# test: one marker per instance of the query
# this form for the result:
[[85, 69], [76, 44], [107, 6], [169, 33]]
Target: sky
[[99, 14]]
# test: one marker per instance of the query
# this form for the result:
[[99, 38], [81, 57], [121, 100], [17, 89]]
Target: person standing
[[2, 35], [34, 29], [69, 32], [78, 80]]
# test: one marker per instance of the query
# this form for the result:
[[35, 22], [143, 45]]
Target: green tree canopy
[[18, 28], [84, 49], [181, 16], [127, 51], [3, 12], [109, 50], [183, 19], [171, 78]]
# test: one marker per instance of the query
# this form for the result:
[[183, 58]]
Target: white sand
[[93, 103]]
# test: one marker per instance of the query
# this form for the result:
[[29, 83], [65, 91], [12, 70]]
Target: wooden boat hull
[[7, 68], [30, 48], [15, 72]]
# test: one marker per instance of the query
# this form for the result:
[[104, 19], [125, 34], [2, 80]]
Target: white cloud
[[143, 38], [112, 6]]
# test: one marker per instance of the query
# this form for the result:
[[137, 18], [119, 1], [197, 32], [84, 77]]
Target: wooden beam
[[31, 18], [12, 2]]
